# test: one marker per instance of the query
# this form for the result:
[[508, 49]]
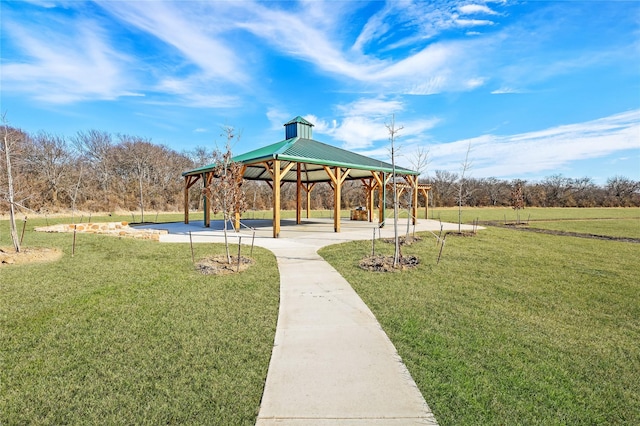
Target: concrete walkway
[[331, 363]]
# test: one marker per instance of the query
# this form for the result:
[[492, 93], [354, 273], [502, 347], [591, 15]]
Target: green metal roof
[[312, 155]]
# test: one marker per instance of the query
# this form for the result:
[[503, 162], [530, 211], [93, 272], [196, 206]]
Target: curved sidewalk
[[332, 364]]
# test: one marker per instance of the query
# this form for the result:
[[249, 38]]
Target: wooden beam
[[268, 168], [192, 180], [286, 169], [332, 176]]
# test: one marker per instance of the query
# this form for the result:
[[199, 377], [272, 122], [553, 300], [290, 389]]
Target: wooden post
[[309, 188], [276, 198], [414, 210], [298, 195], [369, 186], [186, 199], [381, 194], [371, 204], [426, 204], [207, 204], [337, 198], [337, 178]]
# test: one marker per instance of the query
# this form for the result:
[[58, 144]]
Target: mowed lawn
[[128, 332], [513, 327]]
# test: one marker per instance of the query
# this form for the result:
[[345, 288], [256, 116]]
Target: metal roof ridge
[[286, 146], [298, 119]]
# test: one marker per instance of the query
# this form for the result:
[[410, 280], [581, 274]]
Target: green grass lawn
[[509, 328], [127, 331], [513, 327]]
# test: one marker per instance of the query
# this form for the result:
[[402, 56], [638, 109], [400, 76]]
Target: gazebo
[[301, 160]]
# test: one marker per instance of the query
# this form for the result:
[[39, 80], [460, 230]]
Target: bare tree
[[393, 134], [465, 167], [225, 191], [49, 159], [97, 147], [444, 183], [75, 189], [8, 138], [621, 190], [137, 154], [517, 198], [419, 162]]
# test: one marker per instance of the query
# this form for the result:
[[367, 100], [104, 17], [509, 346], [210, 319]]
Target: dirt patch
[[460, 234], [403, 240], [525, 228], [381, 263], [219, 265], [8, 256]]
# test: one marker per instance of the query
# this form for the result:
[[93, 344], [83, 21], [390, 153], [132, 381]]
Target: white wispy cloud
[[506, 90], [61, 67], [473, 22], [361, 124], [293, 34], [471, 9], [193, 31], [542, 151]]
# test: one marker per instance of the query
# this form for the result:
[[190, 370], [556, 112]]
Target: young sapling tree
[[225, 190]]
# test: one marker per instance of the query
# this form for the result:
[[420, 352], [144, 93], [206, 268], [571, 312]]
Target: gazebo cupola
[[298, 127]]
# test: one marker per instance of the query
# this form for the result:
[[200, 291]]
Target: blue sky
[[535, 88]]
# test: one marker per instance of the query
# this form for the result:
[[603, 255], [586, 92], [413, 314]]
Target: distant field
[[470, 214], [514, 327], [608, 227]]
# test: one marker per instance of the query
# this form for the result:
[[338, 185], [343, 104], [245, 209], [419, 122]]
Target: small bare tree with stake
[[393, 133], [517, 199], [7, 142], [419, 162], [225, 190], [465, 167]]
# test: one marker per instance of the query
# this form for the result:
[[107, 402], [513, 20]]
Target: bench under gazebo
[[301, 160]]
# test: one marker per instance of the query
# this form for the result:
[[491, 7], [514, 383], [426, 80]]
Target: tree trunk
[[141, 199], [12, 210]]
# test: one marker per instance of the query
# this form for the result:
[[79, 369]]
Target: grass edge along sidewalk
[[127, 330], [511, 327]]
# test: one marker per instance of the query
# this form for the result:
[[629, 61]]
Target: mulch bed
[[8, 255], [379, 263], [218, 265], [404, 240]]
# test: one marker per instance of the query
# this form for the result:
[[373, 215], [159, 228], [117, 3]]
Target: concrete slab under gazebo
[[301, 160]]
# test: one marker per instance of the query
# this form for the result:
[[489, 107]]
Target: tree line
[[96, 171], [552, 191]]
